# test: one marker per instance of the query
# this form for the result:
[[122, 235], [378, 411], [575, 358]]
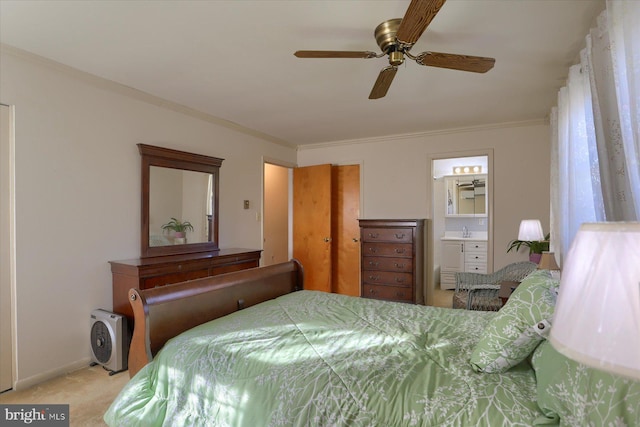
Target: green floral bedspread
[[317, 359]]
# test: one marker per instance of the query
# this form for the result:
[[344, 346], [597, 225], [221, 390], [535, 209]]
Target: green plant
[[178, 226], [535, 246]]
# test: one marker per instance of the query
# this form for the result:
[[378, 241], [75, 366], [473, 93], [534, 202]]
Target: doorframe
[[9, 228], [431, 238], [289, 166]]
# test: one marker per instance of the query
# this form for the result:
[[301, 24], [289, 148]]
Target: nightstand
[[506, 287]]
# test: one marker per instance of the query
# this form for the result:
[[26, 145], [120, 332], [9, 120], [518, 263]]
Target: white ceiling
[[234, 59]]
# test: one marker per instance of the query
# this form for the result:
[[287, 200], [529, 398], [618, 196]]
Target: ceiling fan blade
[[383, 82], [418, 16], [334, 54], [476, 64]]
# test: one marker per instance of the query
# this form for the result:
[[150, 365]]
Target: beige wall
[[78, 198], [396, 172]]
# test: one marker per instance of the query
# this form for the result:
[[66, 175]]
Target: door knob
[[327, 239], [355, 239]]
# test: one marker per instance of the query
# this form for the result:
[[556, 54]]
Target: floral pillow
[[519, 326]]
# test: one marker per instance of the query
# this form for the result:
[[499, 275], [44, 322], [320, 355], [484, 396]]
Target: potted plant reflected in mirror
[[180, 229], [536, 247]]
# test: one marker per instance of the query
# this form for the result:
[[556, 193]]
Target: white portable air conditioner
[[109, 340]]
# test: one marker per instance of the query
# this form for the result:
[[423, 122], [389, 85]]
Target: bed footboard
[[164, 312]]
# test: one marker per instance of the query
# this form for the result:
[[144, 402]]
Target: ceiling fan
[[396, 37]]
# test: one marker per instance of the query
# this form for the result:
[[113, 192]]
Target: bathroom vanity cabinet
[[466, 255]]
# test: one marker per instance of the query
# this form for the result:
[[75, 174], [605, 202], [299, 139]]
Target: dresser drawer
[[388, 249], [475, 257], [399, 235], [167, 279], [476, 268], [393, 293], [471, 246], [387, 264], [176, 267], [233, 267], [391, 278]]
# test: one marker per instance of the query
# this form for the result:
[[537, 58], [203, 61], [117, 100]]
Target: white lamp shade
[[597, 315], [530, 230]]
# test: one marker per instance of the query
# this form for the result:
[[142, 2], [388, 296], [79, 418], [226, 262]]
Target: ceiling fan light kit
[[396, 37]]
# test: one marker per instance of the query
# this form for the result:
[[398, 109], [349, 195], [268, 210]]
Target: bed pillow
[[519, 326], [572, 394]]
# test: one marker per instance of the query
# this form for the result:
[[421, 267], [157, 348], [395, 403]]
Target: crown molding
[[387, 138]]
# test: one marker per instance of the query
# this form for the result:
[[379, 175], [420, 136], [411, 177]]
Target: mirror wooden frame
[[168, 158]]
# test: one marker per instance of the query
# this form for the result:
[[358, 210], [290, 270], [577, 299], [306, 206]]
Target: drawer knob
[[372, 291], [374, 278], [373, 264], [399, 265], [373, 235], [400, 294], [399, 250], [373, 250], [399, 279], [399, 235]]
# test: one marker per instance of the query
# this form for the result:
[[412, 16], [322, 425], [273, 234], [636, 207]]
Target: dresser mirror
[[179, 202], [465, 195]]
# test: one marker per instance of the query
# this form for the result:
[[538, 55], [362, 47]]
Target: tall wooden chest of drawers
[[392, 264]]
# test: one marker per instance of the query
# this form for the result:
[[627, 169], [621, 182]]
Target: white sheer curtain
[[596, 129]]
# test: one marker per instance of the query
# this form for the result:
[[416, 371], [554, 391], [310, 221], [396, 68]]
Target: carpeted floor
[[89, 392]]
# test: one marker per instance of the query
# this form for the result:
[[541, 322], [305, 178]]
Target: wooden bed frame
[[164, 312]]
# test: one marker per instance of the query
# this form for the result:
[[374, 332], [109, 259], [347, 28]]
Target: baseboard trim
[[22, 384]]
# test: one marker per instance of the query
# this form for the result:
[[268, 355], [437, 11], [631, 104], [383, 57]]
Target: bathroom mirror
[[179, 195], [465, 195]]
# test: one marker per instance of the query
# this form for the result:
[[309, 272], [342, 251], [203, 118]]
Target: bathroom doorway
[[461, 211]]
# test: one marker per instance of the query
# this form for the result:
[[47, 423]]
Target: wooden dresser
[[393, 259], [145, 273]]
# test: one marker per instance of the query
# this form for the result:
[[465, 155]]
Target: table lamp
[[530, 230], [597, 315]]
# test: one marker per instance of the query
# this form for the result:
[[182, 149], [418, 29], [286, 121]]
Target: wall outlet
[[246, 204], [481, 221]]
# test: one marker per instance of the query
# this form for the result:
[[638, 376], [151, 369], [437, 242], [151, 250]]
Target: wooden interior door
[[312, 224], [345, 197]]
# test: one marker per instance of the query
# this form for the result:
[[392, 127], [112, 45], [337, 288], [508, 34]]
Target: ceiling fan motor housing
[[385, 34]]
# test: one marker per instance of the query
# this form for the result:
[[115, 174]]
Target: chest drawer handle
[[373, 250], [399, 250], [373, 264], [399, 279], [400, 294], [399, 235], [179, 266], [399, 265], [374, 278], [373, 235], [372, 291]]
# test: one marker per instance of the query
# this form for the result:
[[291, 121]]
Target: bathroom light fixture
[[461, 170]]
